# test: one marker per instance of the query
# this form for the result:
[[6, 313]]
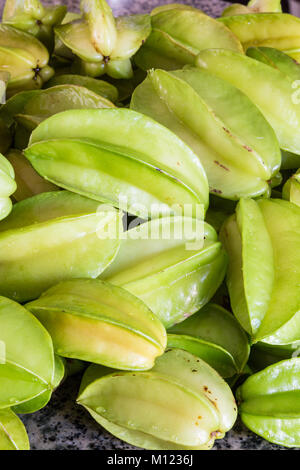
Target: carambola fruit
[[254, 6], [52, 237], [174, 276], [263, 279], [214, 335], [7, 186], [32, 17], [178, 35], [219, 123], [103, 43], [269, 88], [188, 405], [27, 364], [100, 87], [291, 189], [25, 58], [13, 435], [270, 403], [278, 30], [94, 321], [29, 182], [120, 157], [56, 99]]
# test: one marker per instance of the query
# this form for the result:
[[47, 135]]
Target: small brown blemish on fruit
[[221, 165], [248, 148], [227, 131], [217, 191]]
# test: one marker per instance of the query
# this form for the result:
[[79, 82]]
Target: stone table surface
[[63, 425]]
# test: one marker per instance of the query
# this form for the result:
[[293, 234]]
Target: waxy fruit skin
[[100, 87], [215, 336], [25, 58], [262, 241], [278, 30], [178, 35], [29, 182], [27, 369], [174, 277], [51, 237], [13, 434], [94, 321], [109, 159], [219, 123], [291, 189], [269, 403], [188, 404], [102, 43], [270, 89], [7, 186], [254, 6], [32, 17]]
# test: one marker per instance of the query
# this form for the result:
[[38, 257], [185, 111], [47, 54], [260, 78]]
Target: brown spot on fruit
[[216, 191], [221, 165]]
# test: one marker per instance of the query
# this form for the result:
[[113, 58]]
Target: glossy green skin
[[178, 35], [288, 66], [278, 30], [104, 145], [217, 357], [99, 18], [28, 181], [57, 99], [33, 18], [172, 6], [215, 325], [276, 59], [100, 87], [7, 186], [25, 58], [291, 189], [195, 105], [15, 105], [97, 322], [269, 403], [36, 404], [254, 6], [271, 91], [70, 245], [178, 379], [24, 374], [131, 32], [265, 300], [13, 434], [173, 279]]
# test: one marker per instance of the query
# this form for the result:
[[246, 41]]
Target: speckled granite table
[[63, 425]]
